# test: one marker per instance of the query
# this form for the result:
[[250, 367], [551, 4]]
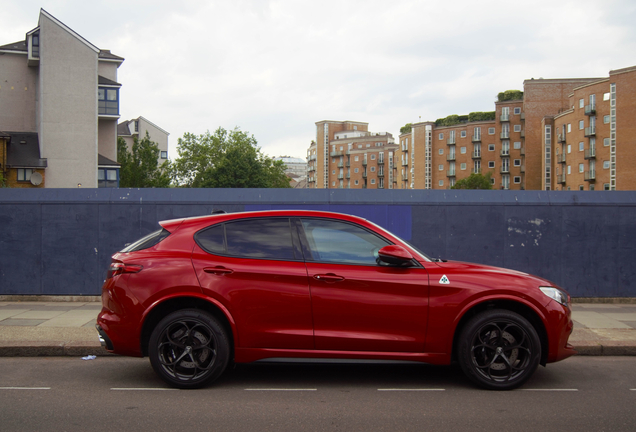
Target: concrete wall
[[17, 93], [68, 107], [59, 241], [107, 146]]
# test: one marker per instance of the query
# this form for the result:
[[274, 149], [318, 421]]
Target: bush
[[509, 95]]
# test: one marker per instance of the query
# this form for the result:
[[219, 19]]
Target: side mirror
[[395, 255]]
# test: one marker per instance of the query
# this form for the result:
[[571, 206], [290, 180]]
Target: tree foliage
[[406, 128], [474, 181], [225, 159], [140, 166], [481, 116], [509, 95]]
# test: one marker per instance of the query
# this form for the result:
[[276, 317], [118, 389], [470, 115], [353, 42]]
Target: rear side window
[[147, 242], [250, 238]]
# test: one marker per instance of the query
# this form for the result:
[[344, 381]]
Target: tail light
[[117, 268]]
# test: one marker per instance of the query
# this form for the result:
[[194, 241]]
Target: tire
[[189, 349], [499, 349]]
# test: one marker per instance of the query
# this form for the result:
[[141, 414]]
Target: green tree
[[406, 128], [474, 181], [510, 95], [140, 166], [225, 159]]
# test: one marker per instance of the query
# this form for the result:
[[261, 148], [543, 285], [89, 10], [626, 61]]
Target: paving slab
[[74, 318], [21, 322], [596, 320], [38, 314]]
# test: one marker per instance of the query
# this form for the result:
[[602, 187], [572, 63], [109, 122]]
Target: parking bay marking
[[551, 390], [25, 388], [141, 389], [280, 389], [411, 390]]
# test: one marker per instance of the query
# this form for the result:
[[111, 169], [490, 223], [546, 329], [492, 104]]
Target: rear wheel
[[189, 348], [499, 349]]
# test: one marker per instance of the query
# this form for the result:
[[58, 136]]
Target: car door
[[358, 304], [255, 268]]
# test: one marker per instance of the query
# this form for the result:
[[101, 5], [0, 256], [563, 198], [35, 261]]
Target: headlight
[[556, 294]]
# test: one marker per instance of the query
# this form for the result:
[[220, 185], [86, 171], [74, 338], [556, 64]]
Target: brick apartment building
[[563, 134], [346, 155], [59, 105]]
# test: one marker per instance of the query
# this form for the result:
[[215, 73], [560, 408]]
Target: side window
[[341, 242], [250, 238]]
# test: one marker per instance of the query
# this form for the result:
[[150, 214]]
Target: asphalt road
[[114, 393]]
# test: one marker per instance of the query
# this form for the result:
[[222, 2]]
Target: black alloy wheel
[[499, 349], [189, 348]]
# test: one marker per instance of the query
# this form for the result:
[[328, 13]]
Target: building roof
[[123, 129], [105, 81], [15, 46], [104, 161], [106, 54], [23, 150]]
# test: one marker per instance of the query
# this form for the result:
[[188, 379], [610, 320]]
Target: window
[[441, 167], [333, 172], [581, 146], [333, 160], [591, 187], [107, 178], [251, 238], [441, 151], [606, 96], [462, 150], [333, 183], [441, 183], [108, 101], [372, 169], [462, 167], [164, 155], [355, 128], [517, 145], [24, 174], [569, 127], [581, 124], [517, 128], [581, 187], [491, 147], [356, 182], [606, 186], [491, 164], [359, 146], [606, 164], [463, 134], [372, 157], [606, 119], [581, 103], [368, 145], [491, 131], [581, 167], [356, 158], [136, 125], [517, 162], [441, 136], [569, 148], [517, 179], [517, 110], [606, 142], [492, 180], [355, 170]]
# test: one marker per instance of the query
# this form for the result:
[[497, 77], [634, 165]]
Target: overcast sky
[[275, 68]]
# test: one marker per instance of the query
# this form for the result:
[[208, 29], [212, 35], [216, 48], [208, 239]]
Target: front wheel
[[189, 348], [499, 349]]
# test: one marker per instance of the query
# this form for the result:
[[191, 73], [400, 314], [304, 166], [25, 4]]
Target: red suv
[[205, 291]]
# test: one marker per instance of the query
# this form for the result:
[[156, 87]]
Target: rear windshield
[[146, 242]]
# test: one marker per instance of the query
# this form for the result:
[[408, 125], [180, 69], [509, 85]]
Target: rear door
[[358, 304], [256, 269]]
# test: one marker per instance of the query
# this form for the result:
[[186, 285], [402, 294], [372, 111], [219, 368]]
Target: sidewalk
[[41, 328]]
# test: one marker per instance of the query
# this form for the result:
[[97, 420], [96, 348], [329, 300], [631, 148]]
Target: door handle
[[218, 270], [329, 277]]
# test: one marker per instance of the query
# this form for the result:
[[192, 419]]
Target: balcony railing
[[310, 169], [560, 178], [561, 138], [504, 117], [561, 158], [504, 153], [589, 131], [522, 151], [380, 173], [505, 169], [522, 168], [364, 162], [589, 175], [450, 173], [450, 141], [348, 175], [364, 174], [476, 138], [476, 155], [405, 163], [590, 109], [380, 161], [523, 133], [340, 164], [340, 176], [348, 164], [336, 153], [590, 153], [505, 135], [523, 116], [450, 157]]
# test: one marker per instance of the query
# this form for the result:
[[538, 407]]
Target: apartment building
[[59, 106], [137, 128], [346, 155]]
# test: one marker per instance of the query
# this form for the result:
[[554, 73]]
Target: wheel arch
[[506, 304], [164, 307]]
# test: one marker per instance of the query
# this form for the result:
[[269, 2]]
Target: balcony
[[380, 161], [364, 162], [561, 138], [476, 155], [340, 176], [589, 176], [380, 173], [523, 116], [340, 164], [560, 178], [522, 168], [561, 158], [311, 169], [348, 176], [505, 169], [522, 151], [505, 135], [450, 157], [336, 153], [450, 173], [312, 157], [504, 117], [405, 163], [348, 164], [522, 133], [590, 153], [590, 131], [364, 174], [590, 109], [450, 141], [476, 138], [504, 153]]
